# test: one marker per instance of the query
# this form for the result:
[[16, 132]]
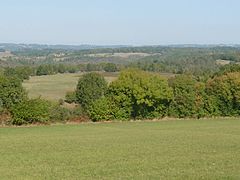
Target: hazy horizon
[[131, 23]]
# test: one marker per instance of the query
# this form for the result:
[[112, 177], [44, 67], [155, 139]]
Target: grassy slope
[[54, 87], [200, 149]]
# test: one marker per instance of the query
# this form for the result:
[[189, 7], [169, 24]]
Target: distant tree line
[[24, 72], [198, 61]]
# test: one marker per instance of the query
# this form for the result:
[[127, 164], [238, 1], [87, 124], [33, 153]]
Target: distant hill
[[23, 47]]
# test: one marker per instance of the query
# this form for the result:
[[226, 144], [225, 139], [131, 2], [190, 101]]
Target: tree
[[91, 87], [183, 104], [228, 68], [22, 73], [61, 68], [110, 67], [140, 94], [45, 70], [226, 91], [11, 91]]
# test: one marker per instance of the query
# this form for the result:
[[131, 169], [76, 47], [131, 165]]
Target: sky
[[120, 22]]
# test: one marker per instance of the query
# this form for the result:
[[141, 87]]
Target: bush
[[58, 113], [5, 118], [100, 110], [1, 106], [31, 111], [105, 109], [70, 97], [77, 112], [184, 100], [11, 91], [91, 87]]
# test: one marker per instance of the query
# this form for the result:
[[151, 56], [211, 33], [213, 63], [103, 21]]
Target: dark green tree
[[110, 67], [11, 91], [90, 87]]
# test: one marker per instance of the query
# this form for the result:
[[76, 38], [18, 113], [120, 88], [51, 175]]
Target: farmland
[[189, 149], [54, 87]]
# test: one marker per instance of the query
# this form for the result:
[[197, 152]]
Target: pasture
[[177, 149], [54, 87]]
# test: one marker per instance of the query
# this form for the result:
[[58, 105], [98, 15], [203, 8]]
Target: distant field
[[54, 87], [187, 149], [123, 55]]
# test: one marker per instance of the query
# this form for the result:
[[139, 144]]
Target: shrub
[[59, 113], [70, 97], [5, 118], [77, 112], [100, 110], [105, 109], [184, 99], [1, 106], [31, 111], [11, 91], [91, 87]]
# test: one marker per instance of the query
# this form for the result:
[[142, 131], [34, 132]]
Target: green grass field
[[54, 87], [190, 149]]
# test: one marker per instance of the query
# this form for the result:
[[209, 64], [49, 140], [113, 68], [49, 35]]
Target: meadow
[[54, 87], [173, 149]]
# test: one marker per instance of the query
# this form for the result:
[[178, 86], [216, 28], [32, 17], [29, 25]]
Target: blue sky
[[125, 22]]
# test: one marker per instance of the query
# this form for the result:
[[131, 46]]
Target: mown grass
[[54, 87], [190, 149]]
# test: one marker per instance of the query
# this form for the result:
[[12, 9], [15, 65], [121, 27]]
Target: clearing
[[54, 87]]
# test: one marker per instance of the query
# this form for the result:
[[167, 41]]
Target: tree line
[[138, 94], [24, 72]]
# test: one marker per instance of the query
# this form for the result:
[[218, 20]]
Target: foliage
[[45, 70], [91, 87], [183, 104], [1, 106], [110, 67], [22, 73], [31, 111], [228, 68], [226, 90], [100, 110], [11, 91], [141, 94], [105, 109], [59, 113], [70, 97]]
